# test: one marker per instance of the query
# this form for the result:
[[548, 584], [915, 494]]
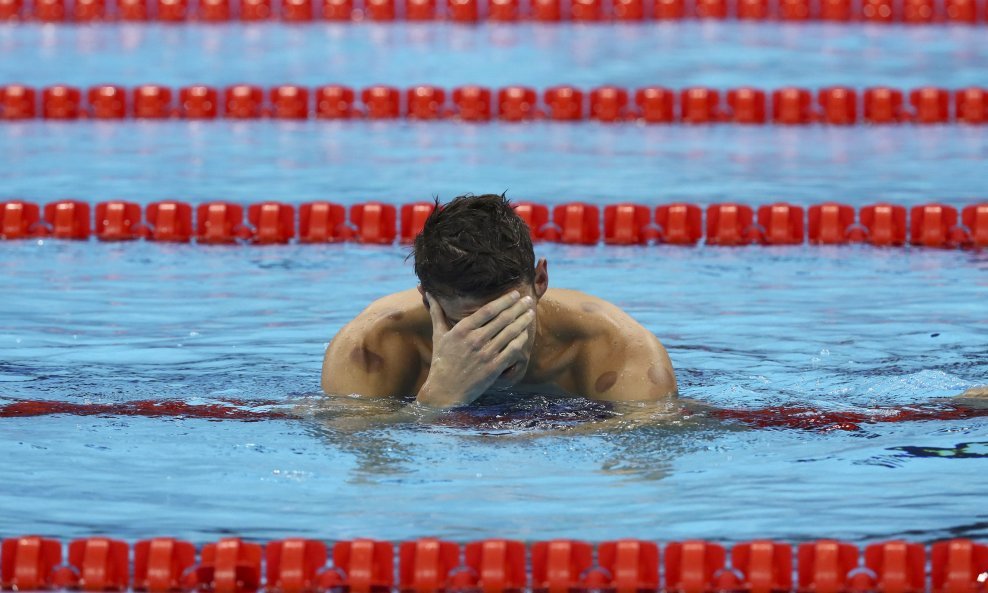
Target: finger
[[439, 324], [511, 353], [489, 311], [517, 327], [504, 319]]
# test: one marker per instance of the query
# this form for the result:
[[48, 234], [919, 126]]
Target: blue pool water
[[832, 329]]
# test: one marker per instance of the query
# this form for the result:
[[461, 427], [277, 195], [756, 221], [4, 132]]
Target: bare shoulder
[[377, 354], [619, 358]]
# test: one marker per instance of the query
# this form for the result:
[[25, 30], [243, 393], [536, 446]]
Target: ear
[[541, 278], [425, 301]]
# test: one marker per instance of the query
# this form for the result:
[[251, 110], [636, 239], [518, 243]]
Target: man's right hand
[[468, 357]]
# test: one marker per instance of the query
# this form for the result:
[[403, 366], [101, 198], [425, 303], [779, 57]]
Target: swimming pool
[[833, 329]]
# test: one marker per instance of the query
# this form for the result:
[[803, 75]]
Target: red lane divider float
[[838, 106], [915, 12], [246, 410], [429, 565], [575, 223]]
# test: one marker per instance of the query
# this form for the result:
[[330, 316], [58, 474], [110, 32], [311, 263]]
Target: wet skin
[[448, 352]]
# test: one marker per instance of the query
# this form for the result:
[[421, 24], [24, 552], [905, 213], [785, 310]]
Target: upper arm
[[627, 363], [364, 360]]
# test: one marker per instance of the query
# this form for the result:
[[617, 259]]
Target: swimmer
[[483, 319]]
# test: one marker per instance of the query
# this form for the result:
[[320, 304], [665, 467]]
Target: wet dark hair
[[474, 246]]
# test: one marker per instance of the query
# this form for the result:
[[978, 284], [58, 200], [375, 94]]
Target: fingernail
[[515, 294], [527, 300]]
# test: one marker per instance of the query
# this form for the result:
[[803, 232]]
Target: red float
[[296, 11], [794, 10], [118, 221], [198, 102], [68, 219], [918, 12], [290, 102], [426, 102], [586, 10], [376, 224], [835, 10], [782, 224], [255, 10], [498, 565], [971, 105], [49, 11], [334, 102], [830, 223], [11, 10], [578, 223], [747, 105], [420, 10], [61, 102], [882, 105], [337, 10], [840, 106], [132, 10], [214, 11], [628, 10], [28, 562], [322, 222], [88, 11], [463, 11], [752, 10], [898, 566], [169, 221], [679, 224], [824, 565], [656, 104], [536, 216], [413, 217], [765, 566], [730, 224], [107, 102], [961, 11], [877, 11], [608, 104], [631, 565], [557, 566], [96, 564], [668, 10], [690, 567], [628, 224], [424, 565], [516, 103], [18, 102], [152, 102], [503, 11], [380, 10], [382, 102], [975, 218], [230, 565], [932, 225], [711, 9], [699, 105], [564, 103], [958, 565], [368, 564], [273, 222], [293, 565], [220, 223], [885, 223], [243, 101], [472, 103], [172, 11], [160, 563], [546, 11], [792, 106], [931, 105]]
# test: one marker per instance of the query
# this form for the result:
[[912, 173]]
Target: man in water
[[484, 319]]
